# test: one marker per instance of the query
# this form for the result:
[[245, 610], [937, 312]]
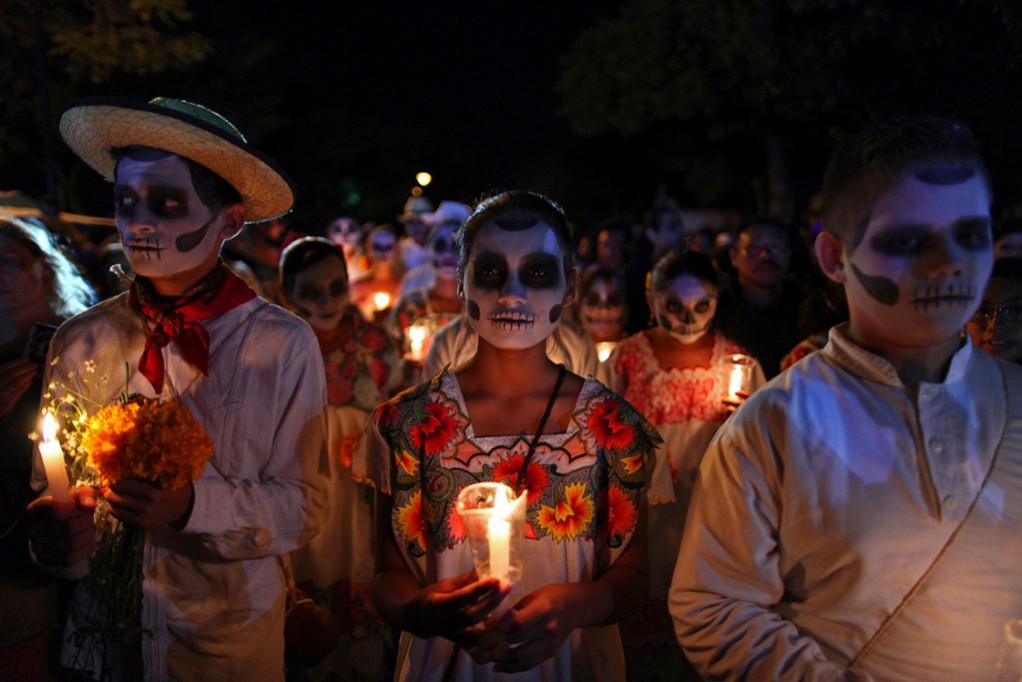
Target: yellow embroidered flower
[[570, 517], [411, 523], [159, 442], [408, 463], [633, 463]]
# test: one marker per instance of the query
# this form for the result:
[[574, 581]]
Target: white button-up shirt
[[213, 593], [827, 496]]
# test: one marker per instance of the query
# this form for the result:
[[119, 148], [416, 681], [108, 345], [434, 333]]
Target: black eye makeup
[[973, 234], [900, 241], [489, 271], [541, 271]]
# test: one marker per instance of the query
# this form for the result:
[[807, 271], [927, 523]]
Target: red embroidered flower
[[438, 430], [622, 514], [456, 527], [536, 477], [609, 431]]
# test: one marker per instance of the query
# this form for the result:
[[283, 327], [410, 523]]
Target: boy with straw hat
[[185, 181]]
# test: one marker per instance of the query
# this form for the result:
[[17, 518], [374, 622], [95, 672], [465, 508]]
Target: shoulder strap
[[1011, 403]]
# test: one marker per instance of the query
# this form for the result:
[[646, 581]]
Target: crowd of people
[[852, 511]]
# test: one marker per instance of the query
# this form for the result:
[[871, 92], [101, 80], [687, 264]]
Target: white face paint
[[602, 310], [515, 285], [320, 294], [685, 308], [165, 228], [346, 233], [444, 251]]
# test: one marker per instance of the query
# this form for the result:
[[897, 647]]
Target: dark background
[[725, 104]]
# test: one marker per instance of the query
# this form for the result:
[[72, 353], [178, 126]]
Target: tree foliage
[[712, 73]]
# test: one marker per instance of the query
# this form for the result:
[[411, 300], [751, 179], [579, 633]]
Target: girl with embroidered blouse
[[676, 374], [362, 370], [577, 451]]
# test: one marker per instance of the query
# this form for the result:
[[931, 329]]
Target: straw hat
[[93, 127]]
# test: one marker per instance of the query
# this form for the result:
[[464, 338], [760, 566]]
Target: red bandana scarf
[[178, 319]]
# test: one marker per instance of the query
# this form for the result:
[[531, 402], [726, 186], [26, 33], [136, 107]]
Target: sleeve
[[275, 500], [371, 463], [727, 578]]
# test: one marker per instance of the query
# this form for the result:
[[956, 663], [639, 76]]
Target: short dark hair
[[867, 164], [513, 211], [214, 192], [678, 263], [303, 253]]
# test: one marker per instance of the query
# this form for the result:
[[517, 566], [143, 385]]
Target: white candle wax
[[498, 534], [735, 384], [53, 462]]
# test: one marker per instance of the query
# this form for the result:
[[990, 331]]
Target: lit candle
[[498, 535], [738, 381], [417, 341], [53, 462], [381, 299], [604, 349]]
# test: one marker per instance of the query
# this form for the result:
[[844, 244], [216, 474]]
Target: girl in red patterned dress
[[676, 374], [362, 370], [584, 473]]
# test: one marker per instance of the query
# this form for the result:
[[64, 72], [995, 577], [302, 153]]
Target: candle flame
[[501, 504], [416, 334], [381, 299], [49, 427]]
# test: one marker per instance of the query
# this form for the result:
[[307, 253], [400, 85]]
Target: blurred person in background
[[996, 326], [677, 375], [39, 288], [362, 370]]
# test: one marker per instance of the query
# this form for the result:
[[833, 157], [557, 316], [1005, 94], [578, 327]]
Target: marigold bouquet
[[157, 441]]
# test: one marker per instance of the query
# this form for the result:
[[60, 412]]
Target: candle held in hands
[[53, 462], [499, 536]]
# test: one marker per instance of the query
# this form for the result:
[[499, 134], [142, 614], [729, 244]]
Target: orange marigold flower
[[154, 441], [569, 517]]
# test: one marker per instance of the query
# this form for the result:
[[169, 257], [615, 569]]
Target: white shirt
[[824, 499], [213, 594]]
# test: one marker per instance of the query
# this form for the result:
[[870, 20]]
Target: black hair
[[678, 263], [514, 211], [303, 253], [867, 164], [1007, 268]]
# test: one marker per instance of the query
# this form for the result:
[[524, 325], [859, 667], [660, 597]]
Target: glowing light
[[423, 178], [381, 299], [53, 462]]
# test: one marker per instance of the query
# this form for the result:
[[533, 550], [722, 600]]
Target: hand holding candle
[[493, 522], [53, 462]]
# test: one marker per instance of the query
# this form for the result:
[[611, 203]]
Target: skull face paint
[[925, 255], [515, 285], [602, 310], [346, 233], [685, 308], [164, 227], [320, 294], [443, 251]]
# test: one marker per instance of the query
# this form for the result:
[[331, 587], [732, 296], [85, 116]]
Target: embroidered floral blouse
[[585, 490]]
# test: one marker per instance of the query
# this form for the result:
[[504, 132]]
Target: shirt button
[[936, 445], [950, 503]]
